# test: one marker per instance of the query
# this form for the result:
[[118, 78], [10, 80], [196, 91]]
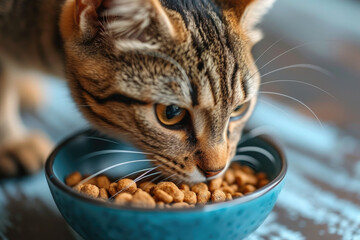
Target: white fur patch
[[131, 45], [253, 15], [196, 176], [127, 20]]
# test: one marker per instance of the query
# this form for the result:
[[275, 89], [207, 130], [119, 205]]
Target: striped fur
[[124, 56]]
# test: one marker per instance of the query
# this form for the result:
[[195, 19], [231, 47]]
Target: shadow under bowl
[[94, 219]]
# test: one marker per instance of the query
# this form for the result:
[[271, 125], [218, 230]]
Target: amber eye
[[170, 115], [239, 111]]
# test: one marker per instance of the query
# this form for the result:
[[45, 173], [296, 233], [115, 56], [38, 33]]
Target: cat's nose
[[210, 172]]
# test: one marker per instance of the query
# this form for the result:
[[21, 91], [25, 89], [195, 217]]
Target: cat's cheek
[[235, 129], [235, 133]]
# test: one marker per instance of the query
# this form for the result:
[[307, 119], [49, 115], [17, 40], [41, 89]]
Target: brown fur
[[194, 54]]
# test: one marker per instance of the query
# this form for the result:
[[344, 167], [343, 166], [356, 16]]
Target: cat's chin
[[196, 176]]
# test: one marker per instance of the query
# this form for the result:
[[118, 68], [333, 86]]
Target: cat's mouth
[[221, 172], [171, 171]]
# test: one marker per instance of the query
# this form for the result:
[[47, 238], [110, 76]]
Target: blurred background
[[327, 34], [310, 62]]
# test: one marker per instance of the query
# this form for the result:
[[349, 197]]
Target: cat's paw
[[24, 156]]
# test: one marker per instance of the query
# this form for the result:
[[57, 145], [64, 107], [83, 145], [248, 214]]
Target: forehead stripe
[[194, 95], [234, 79], [92, 112], [115, 97], [214, 92]]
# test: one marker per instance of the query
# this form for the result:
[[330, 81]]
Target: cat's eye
[[239, 111], [170, 115]]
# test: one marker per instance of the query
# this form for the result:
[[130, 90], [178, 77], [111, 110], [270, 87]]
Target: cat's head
[[176, 77]]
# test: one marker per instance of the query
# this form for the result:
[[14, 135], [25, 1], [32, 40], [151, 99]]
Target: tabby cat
[[175, 77]]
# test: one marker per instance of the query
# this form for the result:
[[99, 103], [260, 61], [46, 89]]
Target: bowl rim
[[51, 177]]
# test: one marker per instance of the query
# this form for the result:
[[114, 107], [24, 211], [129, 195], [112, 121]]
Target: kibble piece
[[184, 186], [224, 184], [238, 180], [227, 189], [229, 176], [90, 181], [189, 197], [248, 189], [237, 194], [147, 186], [160, 195], [103, 182], [199, 187], [127, 185], [247, 170], [90, 190], [160, 204], [262, 183], [243, 179], [228, 197], [78, 187], [235, 166], [235, 187], [215, 184], [180, 205], [261, 176], [123, 198], [171, 189], [103, 194], [203, 197], [218, 196], [113, 189], [73, 179], [143, 200]]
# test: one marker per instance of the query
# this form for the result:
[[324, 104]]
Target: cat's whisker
[[262, 130], [153, 180], [275, 107], [179, 182], [308, 66], [142, 176], [290, 50], [300, 82], [282, 54], [128, 175], [150, 175], [297, 100], [168, 177], [268, 49], [258, 150], [105, 152], [111, 167]]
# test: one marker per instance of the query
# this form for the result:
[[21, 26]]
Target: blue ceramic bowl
[[94, 219]]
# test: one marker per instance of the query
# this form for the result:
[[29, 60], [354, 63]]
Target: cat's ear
[[127, 22], [246, 14]]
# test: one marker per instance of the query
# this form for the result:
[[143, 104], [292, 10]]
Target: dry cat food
[[237, 181]]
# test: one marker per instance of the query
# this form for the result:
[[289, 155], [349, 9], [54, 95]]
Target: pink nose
[[210, 173]]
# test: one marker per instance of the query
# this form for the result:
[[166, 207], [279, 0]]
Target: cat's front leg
[[21, 152]]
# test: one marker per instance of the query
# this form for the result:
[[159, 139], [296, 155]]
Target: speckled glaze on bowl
[[94, 219]]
